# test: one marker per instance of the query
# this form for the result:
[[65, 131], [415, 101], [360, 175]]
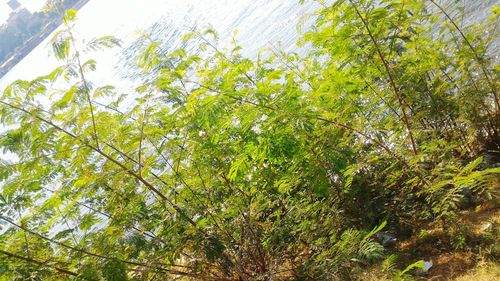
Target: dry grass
[[483, 272], [450, 265], [373, 275]]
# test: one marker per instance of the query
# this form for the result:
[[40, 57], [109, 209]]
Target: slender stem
[[108, 157], [150, 235], [332, 122], [85, 85], [141, 140], [30, 260], [181, 179], [26, 230], [391, 78], [474, 52]]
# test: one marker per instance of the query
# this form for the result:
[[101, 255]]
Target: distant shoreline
[[33, 42]]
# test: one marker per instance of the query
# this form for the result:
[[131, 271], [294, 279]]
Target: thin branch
[[108, 157], [332, 122], [26, 230], [390, 76], [141, 140], [181, 179], [30, 260], [474, 52], [85, 84]]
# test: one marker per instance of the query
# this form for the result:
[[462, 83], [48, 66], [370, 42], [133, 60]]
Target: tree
[[229, 168]]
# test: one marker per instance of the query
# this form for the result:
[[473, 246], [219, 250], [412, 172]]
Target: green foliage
[[114, 271], [231, 168], [403, 275]]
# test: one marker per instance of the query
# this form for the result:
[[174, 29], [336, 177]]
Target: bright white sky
[[32, 5]]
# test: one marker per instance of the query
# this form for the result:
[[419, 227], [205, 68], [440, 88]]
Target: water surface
[[260, 24]]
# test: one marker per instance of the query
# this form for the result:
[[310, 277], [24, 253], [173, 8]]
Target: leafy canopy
[[231, 168]]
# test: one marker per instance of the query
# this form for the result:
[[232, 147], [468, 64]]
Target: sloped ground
[[475, 242], [484, 272], [469, 253]]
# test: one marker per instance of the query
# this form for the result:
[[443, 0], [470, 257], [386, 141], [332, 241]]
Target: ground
[[475, 258]]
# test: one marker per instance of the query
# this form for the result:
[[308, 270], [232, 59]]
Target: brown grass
[[483, 272], [451, 265]]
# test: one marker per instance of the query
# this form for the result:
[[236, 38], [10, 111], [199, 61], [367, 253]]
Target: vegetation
[[280, 167], [483, 273]]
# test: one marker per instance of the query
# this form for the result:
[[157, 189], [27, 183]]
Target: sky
[[31, 5]]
